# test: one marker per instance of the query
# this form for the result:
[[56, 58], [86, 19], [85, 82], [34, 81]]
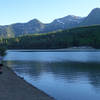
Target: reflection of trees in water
[[72, 71], [94, 76], [69, 71], [26, 67]]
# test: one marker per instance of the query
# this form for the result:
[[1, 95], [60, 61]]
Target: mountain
[[35, 26], [92, 19], [69, 21]]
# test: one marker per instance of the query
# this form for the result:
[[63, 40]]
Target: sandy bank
[[14, 88]]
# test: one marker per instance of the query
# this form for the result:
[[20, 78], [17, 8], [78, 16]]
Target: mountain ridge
[[93, 18], [36, 26]]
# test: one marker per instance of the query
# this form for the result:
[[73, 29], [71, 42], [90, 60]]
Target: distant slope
[[82, 36], [35, 26], [92, 19], [67, 22], [14, 30]]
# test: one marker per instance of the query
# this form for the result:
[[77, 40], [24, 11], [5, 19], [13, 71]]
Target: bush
[[2, 51]]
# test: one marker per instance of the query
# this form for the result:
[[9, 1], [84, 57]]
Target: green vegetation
[[82, 36], [2, 51], [9, 31]]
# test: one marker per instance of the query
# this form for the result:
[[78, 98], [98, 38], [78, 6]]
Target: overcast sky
[[12, 11]]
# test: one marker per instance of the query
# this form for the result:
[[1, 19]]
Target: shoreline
[[57, 50], [13, 87]]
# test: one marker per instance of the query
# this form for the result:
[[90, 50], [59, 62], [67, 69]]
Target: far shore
[[74, 49]]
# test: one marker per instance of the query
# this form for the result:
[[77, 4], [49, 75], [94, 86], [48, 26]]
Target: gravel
[[13, 87]]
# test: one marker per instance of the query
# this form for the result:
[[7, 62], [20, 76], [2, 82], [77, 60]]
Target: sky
[[13, 11]]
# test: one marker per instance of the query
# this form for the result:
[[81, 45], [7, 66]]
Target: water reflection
[[67, 73], [63, 75]]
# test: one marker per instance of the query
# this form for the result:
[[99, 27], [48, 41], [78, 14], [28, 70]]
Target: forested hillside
[[82, 36]]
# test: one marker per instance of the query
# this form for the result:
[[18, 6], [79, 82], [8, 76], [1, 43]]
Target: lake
[[62, 75]]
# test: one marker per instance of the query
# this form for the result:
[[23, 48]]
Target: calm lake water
[[62, 75]]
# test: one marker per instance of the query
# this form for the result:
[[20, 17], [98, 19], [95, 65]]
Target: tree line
[[82, 36]]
